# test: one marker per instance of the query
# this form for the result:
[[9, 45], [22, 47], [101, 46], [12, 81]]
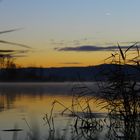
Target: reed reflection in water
[[24, 105], [31, 101]]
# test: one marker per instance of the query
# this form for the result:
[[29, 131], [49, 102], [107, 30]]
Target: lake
[[24, 105]]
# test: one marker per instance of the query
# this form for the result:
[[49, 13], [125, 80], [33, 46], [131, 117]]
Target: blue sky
[[49, 24]]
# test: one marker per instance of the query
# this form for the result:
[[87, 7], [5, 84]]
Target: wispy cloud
[[88, 48], [75, 42], [72, 63], [130, 42]]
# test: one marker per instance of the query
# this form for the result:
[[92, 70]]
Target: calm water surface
[[23, 106]]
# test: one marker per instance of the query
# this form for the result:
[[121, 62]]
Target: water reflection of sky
[[32, 101]]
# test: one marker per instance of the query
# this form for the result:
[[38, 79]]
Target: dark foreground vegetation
[[120, 95]]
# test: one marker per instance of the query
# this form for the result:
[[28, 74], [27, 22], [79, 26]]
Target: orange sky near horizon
[[62, 59]]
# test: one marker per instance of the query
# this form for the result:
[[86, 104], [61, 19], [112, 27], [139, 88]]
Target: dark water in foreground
[[24, 105]]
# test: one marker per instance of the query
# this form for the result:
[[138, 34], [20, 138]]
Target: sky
[[68, 32]]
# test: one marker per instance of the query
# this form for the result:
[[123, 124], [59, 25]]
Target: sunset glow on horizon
[[68, 33]]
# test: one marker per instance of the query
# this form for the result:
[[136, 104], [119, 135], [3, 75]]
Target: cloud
[[88, 48], [71, 63], [58, 43], [130, 42]]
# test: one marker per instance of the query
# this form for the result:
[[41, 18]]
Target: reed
[[121, 92], [119, 95], [7, 56]]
